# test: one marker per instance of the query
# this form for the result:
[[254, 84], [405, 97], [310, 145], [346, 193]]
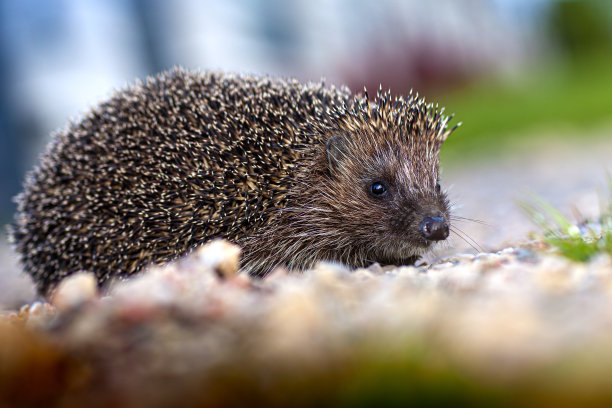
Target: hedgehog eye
[[438, 188], [378, 189]]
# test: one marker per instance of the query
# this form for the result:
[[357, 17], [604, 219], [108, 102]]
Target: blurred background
[[531, 80]]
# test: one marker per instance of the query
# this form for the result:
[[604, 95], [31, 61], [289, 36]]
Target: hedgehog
[[294, 173]]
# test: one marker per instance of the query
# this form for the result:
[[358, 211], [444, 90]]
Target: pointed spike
[[456, 126]]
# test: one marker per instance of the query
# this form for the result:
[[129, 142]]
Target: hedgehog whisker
[[468, 240], [456, 229], [465, 240], [454, 205], [465, 219]]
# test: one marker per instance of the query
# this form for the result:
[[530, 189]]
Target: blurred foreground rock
[[516, 327]]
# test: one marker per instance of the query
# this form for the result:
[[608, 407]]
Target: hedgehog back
[[163, 166]]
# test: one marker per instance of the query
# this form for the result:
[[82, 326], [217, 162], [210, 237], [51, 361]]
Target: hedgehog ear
[[337, 151]]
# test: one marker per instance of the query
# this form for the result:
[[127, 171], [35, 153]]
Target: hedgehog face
[[396, 208]]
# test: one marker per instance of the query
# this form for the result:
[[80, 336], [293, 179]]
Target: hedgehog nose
[[434, 228]]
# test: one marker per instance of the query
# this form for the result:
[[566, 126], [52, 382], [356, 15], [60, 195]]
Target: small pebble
[[221, 256], [75, 290]]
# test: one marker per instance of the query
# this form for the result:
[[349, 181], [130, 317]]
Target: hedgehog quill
[[294, 173]]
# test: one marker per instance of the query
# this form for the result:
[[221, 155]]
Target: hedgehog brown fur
[[285, 169]]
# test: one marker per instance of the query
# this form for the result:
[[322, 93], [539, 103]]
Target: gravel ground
[[516, 325], [521, 326]]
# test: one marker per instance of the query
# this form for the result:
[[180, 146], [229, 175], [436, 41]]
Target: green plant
[[579, 242]]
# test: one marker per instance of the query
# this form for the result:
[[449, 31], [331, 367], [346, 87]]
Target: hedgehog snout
[[434, 228]]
